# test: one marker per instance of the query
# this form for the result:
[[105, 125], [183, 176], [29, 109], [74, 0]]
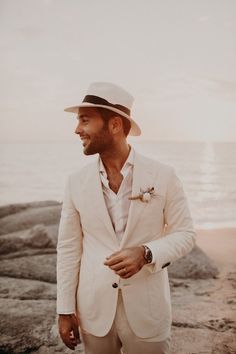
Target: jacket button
[[115, 285]]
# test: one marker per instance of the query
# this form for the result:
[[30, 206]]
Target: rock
[[225, 347], [195, 265], [25, 325], [11, 243], [27, 253], [174, 283], [24, 289], [28, 290], [192, 340], [16, 208], [202, 323], [38, 267], [39, 236], [52, 231], [28, 218]]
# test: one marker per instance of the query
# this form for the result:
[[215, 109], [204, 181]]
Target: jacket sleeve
[[69, 250], [179, 236]]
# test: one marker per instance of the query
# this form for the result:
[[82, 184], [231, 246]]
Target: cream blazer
[[86, 237]]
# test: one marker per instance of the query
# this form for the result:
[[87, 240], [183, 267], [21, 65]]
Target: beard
[[99, 142]]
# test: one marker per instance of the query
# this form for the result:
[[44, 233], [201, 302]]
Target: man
[[124, 220]]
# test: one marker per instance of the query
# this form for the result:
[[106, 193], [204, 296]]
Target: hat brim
[[134, 130]]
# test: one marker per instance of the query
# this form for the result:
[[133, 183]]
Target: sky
[[177, 58]]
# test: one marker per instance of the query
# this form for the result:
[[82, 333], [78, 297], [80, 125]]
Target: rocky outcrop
[[37, 267], [36, 238], [195, 265], [28, 236], [27, 217], [10, 209]]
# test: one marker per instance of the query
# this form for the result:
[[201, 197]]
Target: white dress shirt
[[118, 204]]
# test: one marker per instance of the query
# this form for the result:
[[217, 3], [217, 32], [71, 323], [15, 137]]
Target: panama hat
[[109, 96]]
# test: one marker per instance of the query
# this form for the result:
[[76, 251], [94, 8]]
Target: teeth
[[84, 140]]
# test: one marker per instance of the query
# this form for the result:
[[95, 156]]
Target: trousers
[[122, 340]]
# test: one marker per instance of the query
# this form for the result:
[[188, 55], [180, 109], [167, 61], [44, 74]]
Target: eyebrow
[[80, 116]]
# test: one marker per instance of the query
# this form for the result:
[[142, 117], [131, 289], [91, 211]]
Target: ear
[[115, 125]]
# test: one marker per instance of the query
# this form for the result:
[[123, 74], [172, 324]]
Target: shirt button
[[115, 285]]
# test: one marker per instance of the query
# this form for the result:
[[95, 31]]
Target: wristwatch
[[147, 254]]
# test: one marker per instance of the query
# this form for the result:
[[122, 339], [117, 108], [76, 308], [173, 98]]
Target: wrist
[[143, 254]]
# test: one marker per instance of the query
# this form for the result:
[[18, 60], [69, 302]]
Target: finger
[[68, 338], [66, 334], [122, 272], [72, 338], [127, 275], [73, 343], [114, 254], [118, 266], [114, 260], [76, 334], [70, 343]]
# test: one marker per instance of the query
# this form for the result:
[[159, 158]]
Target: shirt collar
[[125, 169]]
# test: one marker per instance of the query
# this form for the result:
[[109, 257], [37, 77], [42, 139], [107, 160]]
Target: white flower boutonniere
[[144, 195]]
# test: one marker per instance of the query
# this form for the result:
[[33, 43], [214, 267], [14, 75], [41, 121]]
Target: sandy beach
[[208, 305], [220, 246], [203, 286]]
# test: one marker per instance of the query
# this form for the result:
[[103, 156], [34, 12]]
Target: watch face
[[148, 255]]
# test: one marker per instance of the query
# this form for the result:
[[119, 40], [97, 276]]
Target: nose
[[78, 129]]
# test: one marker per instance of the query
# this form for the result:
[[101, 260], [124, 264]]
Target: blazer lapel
[[143, 178], [96, 198]]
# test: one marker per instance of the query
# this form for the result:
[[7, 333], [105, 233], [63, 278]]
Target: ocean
[[38, 171]]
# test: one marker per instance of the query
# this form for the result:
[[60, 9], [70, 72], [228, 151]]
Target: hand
[[69, 331], [126, 262]]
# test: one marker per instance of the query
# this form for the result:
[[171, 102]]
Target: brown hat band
[[101, 101]]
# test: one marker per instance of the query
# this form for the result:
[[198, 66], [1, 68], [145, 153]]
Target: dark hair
[[107, 114]]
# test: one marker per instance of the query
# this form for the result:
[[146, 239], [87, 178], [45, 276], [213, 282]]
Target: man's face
[[93, 131]]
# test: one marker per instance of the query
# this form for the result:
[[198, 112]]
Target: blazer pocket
[[85, 294], [155, 286]]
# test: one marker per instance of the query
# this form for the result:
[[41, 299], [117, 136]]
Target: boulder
[[195, 265], [10, 209], [38, 237], [28, 282], [26, 219], [25, 289], [25, 325], [37, 267]]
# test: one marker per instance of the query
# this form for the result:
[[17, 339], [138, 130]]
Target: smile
[[84, 140]]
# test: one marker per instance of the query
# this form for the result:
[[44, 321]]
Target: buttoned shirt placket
[[118, 204]]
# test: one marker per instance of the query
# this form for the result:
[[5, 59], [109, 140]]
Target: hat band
[[101, 101]]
